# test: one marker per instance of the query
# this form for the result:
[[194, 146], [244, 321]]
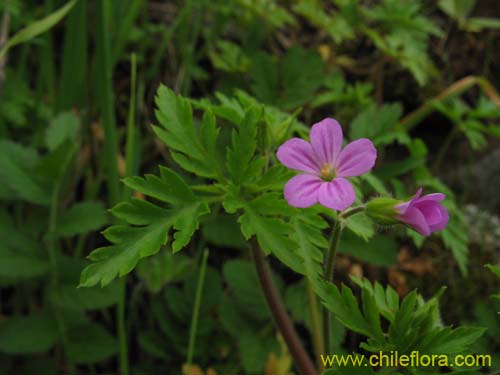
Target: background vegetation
[[78, 81]]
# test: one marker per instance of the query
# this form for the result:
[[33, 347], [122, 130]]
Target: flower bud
[[424, 214], [383, 210]]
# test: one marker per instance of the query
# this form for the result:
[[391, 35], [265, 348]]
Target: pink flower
[[325, 166], [424, 214]]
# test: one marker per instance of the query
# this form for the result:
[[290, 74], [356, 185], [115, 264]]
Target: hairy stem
[[279, 313], [351, 211], [328, 276]]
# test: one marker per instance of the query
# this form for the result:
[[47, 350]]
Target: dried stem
[[455, 89]]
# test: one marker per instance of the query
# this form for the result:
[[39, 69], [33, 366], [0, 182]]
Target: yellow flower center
[[327, 172]]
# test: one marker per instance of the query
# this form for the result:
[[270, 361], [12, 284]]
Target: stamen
[[326, 171]]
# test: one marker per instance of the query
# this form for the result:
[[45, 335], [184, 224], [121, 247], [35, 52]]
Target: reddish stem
[[283, 321]]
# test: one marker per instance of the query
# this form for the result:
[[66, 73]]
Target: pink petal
[[302, 190], [356, 158], [402, 207], [431, 212], [418, 193], [443, 221], [326, 139], [337, 194], [299, 155], [416, 220], [435, 214], [436, 197]]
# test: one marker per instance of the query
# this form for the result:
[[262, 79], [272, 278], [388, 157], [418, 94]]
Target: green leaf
[[455, 238], [69, 296], [361, 225], [255, 351], [475, 24], [452, 341], [242, 279], [287, 83], [223, 230], [381, 251], [295, 297], [62, 128], [457, 9], [229, 57], [265, 80], [378, 123], [168, 187], [400, 331], [22, 256], [243, 145], [148, 226], [193, 150], [387, 300], [302, 75], [81, 218], [28, 334], [90, 343], [272, 233], [152, 343], [336, 25], [36, 28], [372, 315], [307, 233], [163, 268], [343, 304], [494, 269], [17, 165]]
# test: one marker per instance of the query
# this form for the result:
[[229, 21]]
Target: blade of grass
[[46, 77], [196, 309], [36, 28], [53, 251], [131, 151], [125, 23], [73, 85], [189, 56], [105, 90], [166, 37]]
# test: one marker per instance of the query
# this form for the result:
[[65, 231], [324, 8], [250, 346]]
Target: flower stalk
[[328, 276], [329, 266]]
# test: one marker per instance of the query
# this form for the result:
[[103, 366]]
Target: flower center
[[327, 172]]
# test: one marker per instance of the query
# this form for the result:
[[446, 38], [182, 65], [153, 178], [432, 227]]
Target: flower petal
[[337, 194], [435, 215], [302, 190], [436, 197], [356, 158], [402, 207], [443, 222], [299, 155], [431, 211], [416, 220], [326, 139]]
